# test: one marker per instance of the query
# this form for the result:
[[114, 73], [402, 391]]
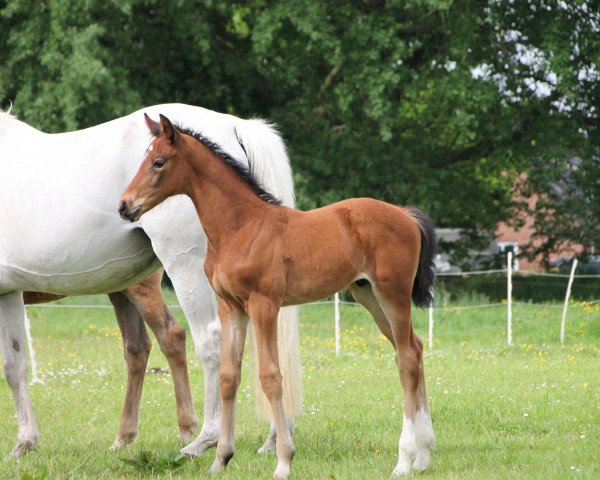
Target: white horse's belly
[[65, 236], [101, 264]]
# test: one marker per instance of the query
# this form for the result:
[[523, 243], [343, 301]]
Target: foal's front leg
[[263, 312], [234, 325]]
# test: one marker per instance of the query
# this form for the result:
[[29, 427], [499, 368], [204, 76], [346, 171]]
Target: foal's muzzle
[[131, 215]]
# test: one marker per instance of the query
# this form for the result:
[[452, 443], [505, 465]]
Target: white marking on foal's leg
[[424, 439], [407, 447]]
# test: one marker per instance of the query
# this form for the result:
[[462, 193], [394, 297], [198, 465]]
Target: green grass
[[529, 411]]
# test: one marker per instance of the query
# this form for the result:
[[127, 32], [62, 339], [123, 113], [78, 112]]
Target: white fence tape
[[337, 302]]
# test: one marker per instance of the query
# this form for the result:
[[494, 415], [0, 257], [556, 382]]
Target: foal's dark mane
[[243, 171]]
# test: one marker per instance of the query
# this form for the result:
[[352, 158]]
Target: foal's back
[[325, 249]]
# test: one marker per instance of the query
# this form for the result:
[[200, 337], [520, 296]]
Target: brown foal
[[262, 256]]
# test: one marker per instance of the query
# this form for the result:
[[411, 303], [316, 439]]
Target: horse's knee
[[137, 353], [208, 346], [15, 373], [173, 345], [271, 383], [229, 383]]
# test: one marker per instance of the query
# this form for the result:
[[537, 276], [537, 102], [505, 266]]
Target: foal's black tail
[[422, 293]]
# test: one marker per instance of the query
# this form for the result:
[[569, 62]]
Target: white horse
[[60, 234]]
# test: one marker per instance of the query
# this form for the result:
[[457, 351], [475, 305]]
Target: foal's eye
[[158, 163]]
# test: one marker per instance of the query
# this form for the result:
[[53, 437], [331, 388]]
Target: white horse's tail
[[268, 158], [269, 163]]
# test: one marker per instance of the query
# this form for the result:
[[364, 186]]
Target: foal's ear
[[168, 130], [153, 126]]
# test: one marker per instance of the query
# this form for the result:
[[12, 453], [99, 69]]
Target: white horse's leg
[[14, 356], [180, 244], [201, 312]]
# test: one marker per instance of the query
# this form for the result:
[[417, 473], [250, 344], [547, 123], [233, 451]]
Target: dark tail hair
[[422, 293]]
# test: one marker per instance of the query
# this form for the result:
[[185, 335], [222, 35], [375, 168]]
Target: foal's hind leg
[[136, 348], [390, 307], [14, 356], [147, 298]]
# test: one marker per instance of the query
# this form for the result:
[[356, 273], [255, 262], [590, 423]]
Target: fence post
[[431, 326], [509, 256], [567, 296], [336, 305]]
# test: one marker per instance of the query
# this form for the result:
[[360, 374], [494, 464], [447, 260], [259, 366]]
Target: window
[[513, 247]]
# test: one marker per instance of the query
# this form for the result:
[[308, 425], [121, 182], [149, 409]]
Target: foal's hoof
[[188, 427], [403, 466], [122, 441], [116, 445], [217, 467], [401, 470], [186, 435], [282, 472], [422, 461]]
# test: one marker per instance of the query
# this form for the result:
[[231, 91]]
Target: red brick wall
[[522, 236]]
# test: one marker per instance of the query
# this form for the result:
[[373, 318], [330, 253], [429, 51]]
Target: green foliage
[[526, 288], [148, 463], [42, 475], [435, 103]]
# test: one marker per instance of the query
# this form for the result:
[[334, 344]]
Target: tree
[[551, 63], [440, 104], [70, 64]]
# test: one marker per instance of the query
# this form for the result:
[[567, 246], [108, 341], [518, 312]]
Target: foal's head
[[160, 175]]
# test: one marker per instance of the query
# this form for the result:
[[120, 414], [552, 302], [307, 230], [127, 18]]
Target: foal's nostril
[[123, 208]]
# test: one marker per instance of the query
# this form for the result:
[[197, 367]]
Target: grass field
[[530, 411]]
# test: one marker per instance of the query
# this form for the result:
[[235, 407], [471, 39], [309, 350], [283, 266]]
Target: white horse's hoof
[[271, 441], [22, 447], [200, 445], [268, 446]]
